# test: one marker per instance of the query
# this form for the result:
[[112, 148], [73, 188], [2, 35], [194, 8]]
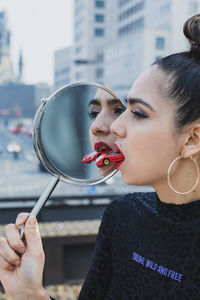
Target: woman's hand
[[22, 262]]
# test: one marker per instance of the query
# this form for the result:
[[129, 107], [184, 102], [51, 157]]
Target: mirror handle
[[42, 200]]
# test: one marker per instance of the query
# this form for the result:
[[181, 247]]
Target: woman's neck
[[167, 195]]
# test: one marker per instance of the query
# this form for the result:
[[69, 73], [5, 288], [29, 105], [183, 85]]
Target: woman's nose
[[100, 126], [117, 127]]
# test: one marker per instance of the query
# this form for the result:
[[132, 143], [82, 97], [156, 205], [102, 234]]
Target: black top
[[146, 249]]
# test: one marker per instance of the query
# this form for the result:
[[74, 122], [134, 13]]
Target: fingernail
[[32, 220], [21, 250], [17, 263], [18, 221]]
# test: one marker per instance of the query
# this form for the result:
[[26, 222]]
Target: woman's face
[[104, 109], [145, 131]]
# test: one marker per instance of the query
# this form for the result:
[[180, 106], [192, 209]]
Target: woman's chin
[[129, 180]]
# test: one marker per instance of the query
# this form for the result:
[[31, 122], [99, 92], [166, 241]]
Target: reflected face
[[104, 109], [145, 132]]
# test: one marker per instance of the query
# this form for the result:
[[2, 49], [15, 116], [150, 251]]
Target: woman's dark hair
[[183, 71]]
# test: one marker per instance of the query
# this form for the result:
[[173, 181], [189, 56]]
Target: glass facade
[[160, 43], [100, 57], [99, 4], [99, 18], [133, 26], [99, 32], [132, 10], [123, 2]]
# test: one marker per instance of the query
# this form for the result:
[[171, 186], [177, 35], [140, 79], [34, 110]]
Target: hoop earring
[[168, 176]]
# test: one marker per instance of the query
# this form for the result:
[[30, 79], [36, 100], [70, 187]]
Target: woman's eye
[[139, 115], [93, 114], [119, 110]]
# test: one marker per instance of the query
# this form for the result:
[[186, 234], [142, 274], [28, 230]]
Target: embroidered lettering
[[138, 258], [149, 264]]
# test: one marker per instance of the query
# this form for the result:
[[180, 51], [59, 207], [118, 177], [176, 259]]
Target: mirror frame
[[38, 148]]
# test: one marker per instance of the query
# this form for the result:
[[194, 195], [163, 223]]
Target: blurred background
[[45, 45]]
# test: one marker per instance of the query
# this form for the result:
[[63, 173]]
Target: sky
[[38, 28]]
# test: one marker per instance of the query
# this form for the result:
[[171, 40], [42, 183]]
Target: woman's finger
[[14, 239], [4, 265], [21, 218], [7, 253]]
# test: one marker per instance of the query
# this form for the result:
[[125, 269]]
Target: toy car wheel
[[106, 161]]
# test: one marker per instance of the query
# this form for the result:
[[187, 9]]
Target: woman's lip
[[118, 164], [101, 146], [118, 149]]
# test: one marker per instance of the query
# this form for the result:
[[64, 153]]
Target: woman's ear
[[192, 142]]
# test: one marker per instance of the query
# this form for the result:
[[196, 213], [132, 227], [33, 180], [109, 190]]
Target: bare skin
[[21, 272], [103, 112], [149, 145]]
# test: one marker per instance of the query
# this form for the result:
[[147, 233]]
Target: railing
[[57, 208]]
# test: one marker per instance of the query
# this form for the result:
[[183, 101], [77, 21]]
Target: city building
[[63, 67], [92, 26], [6, 71], [90, 32], [19, 99], [114, 41], [146, 30]]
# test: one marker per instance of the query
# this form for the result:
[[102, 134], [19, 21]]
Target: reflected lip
[[101, 146]]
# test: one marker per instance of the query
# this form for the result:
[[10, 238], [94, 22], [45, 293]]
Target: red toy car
[[107, 158], [90, 157]]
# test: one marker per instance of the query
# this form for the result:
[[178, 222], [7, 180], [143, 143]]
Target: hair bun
[[191, 30]]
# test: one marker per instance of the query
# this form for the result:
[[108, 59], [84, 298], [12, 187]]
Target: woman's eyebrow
[[108, 101], [94, 101], [137, 100]]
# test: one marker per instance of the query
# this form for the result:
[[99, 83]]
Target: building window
[[99, 72], [78, 49], [78, 36], [160, 43], [99, 57], [132, 10], [123, 2], [99, 4], [99, 32], [99, 18], [133, 26]]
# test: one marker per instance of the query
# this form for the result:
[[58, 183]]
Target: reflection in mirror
[[76, 121], [73, 122]]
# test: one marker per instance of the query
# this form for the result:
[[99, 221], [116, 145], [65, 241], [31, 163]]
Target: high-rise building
[[63, 67], [146, 31], [114, 41], [6, 71], [91, 28]]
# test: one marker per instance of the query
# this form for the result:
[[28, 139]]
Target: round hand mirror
[[64, 133]]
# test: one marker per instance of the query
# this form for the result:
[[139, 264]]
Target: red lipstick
[[101, 146], [120, 162]]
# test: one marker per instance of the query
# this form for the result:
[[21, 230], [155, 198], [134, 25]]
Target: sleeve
[[98, 277]]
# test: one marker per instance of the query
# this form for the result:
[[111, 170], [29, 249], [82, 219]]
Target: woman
[[148, 245], [103, 111]]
